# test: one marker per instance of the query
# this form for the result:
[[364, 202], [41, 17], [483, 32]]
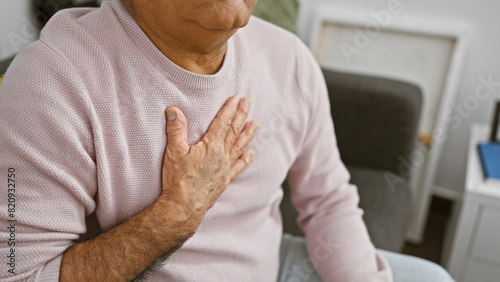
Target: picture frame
[[494, 123], [429, 54]]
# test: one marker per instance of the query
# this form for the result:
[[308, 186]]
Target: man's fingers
[[241, 163], [176, 131], [221, 123], [244, 138], [238, 121]]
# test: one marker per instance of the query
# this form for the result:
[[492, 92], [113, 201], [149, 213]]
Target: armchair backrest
[[4, 64], [376, 120]]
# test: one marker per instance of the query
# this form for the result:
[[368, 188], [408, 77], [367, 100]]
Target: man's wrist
[[175, 219]]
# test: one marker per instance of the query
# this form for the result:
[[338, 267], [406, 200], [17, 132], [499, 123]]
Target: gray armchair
[[376, 121], [4, 64]]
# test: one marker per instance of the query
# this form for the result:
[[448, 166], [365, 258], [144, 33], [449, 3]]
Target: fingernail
[[251, 154], [248, 101], [256, 125], [171, 115]]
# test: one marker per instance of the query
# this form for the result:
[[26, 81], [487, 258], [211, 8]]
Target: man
[[83, 118]]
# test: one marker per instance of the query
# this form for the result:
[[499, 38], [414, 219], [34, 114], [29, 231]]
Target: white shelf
[[475, 181], [475, 252]]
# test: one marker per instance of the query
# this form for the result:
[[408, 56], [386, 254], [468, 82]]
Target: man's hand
[[195, 176], [193, 179]]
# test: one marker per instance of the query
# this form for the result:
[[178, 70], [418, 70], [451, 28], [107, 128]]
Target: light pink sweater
[[82, 123]]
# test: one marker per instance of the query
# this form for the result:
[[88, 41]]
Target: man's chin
[[222, 22], [228, 26]]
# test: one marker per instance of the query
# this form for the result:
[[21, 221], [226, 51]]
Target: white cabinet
[[475, 251], [487, 241], [478, 272]]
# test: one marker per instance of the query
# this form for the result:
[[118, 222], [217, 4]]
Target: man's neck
[[192, 34], [201, 61], [203, 55]]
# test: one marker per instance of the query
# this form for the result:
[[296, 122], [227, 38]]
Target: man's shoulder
[[70, 23], [277, 46], [264, 39], [77, 32], [257, 24], [259, 32], [87, 39]]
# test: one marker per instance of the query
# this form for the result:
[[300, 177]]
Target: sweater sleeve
[[46, 154], [337, 239]]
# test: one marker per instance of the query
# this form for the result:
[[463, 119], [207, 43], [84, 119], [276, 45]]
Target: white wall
[[16, 30], [483, 59]]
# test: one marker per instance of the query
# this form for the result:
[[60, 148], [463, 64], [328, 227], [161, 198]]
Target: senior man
[[134, 116]]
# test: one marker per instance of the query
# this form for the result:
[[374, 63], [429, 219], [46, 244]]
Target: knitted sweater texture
[[82, 126]]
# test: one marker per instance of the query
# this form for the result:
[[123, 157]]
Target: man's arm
[[193, 179], [337, 239], [46, 136], [126, 250]]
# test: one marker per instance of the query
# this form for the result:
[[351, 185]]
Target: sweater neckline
[[172, 71]]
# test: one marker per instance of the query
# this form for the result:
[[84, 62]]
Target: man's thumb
[[176, 130]]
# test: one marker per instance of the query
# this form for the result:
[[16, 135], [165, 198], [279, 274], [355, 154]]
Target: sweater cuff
[[51, 270], [384, 267]]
